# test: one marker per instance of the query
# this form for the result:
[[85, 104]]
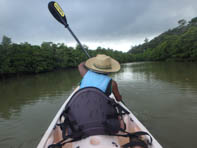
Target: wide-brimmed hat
[[102, 64]]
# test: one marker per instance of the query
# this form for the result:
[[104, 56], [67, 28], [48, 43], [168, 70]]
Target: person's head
[[102, 64]]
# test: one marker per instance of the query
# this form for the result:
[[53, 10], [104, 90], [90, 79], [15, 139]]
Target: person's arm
[[116, 91], [82, 69]]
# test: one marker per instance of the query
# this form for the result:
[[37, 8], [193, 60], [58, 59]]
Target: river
[[163, 96]]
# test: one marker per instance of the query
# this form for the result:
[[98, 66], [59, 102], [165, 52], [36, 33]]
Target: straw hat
[[103, 64]]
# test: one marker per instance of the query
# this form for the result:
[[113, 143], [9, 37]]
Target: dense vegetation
[[179, 44], [26, 58]]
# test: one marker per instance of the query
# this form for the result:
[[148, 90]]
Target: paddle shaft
[[71, 32]]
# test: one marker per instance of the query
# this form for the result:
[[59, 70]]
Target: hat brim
[[115, 66]]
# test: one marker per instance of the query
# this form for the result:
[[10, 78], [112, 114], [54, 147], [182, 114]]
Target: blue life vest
[[93, 79]]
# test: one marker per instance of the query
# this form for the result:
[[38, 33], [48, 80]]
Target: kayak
[[54, 134]]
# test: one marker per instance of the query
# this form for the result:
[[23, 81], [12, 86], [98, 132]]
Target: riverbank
[[17, 59]]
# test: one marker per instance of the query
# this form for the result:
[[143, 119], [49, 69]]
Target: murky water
[[163, 96]]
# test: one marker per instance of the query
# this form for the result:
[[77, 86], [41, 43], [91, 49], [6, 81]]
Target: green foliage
[[146, 40], [179, 44], [182, 22], [193, 21], [26, 58], [6, 41]]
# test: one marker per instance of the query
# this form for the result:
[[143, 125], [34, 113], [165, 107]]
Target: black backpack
[[90, 112]]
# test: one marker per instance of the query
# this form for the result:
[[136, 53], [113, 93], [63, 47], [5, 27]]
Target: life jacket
[[90, 112], [93, 79]]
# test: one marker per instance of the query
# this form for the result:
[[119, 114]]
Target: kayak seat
[[90, 112]]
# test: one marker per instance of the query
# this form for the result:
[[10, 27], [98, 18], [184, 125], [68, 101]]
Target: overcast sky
[[116, 24]]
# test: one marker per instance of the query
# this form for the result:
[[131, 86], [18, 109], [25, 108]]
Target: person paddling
[[90, 115], [95, 74]]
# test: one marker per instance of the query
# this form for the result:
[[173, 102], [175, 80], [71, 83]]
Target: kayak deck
[[54, 134]]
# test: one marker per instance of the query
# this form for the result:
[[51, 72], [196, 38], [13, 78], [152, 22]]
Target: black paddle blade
[[57, 12]]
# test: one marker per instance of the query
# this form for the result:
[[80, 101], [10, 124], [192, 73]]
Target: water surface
[[163, 96]]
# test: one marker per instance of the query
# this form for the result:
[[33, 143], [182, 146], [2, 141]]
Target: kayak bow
[[52, 134]]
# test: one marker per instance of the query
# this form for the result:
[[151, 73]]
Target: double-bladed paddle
[[59, 15]]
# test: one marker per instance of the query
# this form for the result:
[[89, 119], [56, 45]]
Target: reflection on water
[[164, 98], [17, 92], [162, 95], [28, 104]]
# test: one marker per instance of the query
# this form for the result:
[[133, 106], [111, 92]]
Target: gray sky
[[116, 24]]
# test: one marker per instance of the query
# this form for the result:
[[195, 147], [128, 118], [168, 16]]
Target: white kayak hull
[[53, 133]]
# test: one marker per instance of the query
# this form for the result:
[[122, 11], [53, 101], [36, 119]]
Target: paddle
[[59, 15]]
